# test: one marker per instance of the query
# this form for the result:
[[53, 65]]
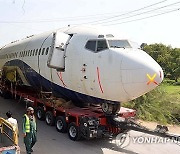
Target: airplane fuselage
[[83, 64]]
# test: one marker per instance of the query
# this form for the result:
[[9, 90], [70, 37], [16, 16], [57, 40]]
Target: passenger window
[[39, 51], [36, 52], [91, 45], [33, 52], [101, 45], [43, 51], [47, 50]]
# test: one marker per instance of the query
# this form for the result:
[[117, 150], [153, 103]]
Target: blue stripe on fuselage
[[40, 83]]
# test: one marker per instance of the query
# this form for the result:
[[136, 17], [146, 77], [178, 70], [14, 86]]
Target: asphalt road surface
[[52, 142]]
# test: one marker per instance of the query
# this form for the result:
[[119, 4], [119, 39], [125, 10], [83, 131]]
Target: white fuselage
[[106, 72]]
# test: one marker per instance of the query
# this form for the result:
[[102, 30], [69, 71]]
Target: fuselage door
[[56, 58]]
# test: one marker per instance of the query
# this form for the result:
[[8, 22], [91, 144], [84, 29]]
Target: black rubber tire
[[6, 95], [1, 93], [74, 132], [40, 113], [61, 120], [116, 108], [107, 108], [111, 109], [50, 119]]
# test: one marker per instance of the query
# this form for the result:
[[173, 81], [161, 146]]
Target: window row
[[35, 52]]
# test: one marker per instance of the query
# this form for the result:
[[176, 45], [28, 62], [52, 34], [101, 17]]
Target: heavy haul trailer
[[86, 122]]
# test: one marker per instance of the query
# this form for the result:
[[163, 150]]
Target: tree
[[175, 64], [167, 57]]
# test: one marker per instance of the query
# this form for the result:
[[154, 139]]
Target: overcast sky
[[142, 21]]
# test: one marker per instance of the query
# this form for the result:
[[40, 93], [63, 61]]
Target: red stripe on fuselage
[[60, 77], [99, 81]]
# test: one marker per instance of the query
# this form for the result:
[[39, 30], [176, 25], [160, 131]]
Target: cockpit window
[[119, 44], [91, 45], [101, 45], [96, 45], [135, 45]]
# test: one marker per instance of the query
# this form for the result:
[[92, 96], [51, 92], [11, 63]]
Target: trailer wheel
[[107, 108], [40, 113], [6, 95], [49, 117], [74, 132], [61, 124], [1, 92], [116, 108]]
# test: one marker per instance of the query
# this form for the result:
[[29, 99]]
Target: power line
[[103, 20], [144, 17], [142, 13], [124, 14], [84, 17], [55, 20]]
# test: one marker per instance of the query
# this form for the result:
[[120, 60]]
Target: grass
[[161, 105], [173, 92]]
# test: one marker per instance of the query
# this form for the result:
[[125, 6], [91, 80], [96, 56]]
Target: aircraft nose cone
[[155, 77], [140, 74]]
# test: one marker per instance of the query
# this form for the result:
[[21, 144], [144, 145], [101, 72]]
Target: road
[[50, 141]]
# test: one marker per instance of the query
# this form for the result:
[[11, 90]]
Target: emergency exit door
[[56, 58]]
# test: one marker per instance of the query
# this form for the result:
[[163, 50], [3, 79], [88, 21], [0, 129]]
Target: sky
[[142, 21]]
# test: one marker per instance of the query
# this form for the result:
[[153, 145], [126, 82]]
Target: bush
[[176, 84], [168, 82], [156, 106]]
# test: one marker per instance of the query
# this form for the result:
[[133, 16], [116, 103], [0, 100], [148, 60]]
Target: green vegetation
[[172, 91], [158, 105], [163, 103], [167, 57]]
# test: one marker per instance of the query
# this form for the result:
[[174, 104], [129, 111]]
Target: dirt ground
[[175, 129]]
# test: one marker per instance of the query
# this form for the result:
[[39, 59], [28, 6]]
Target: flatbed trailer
[[81, 122]]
